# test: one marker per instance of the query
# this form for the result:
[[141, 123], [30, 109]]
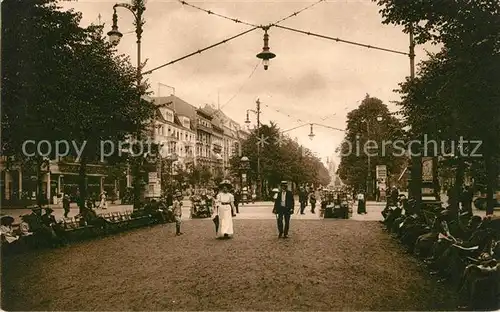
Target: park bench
[[76, 228]]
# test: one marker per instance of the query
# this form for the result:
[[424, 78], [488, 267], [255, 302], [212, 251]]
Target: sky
[[311, 80]]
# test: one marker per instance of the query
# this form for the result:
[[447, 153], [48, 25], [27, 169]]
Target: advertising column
[[381, 172]]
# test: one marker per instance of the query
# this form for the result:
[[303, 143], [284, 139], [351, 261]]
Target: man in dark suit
[[283, 208]]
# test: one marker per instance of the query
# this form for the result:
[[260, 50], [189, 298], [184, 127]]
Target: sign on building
[[427, 170], [381, 172], [153, 177]]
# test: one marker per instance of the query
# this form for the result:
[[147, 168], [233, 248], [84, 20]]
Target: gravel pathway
[[325, 265]]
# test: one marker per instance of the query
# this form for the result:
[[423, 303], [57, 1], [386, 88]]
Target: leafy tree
[[205, 175], [455, 93], [194, 176], [371, 121], [181, 176], [218, 177], [280, 159], [70, 83], [36, 46]]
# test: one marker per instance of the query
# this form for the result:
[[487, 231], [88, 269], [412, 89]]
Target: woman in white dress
[[223, 208], [103, 204]]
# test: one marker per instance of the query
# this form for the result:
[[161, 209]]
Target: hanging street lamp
[[311, 135], [266, 55], [114, 34]]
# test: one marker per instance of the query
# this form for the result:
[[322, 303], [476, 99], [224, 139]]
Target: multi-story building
[[232, 135], [204, 134], [175, 133]]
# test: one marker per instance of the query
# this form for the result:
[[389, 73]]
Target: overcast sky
[[310, 79]]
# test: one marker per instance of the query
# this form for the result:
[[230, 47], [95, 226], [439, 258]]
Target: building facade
[[204, 139], [177, 139], [19, 182]]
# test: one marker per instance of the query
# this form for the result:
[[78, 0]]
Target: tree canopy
[[370, 121], [62, 81], [456, 91], [281, 159]]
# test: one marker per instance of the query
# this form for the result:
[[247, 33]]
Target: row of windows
[[179, 149], [204, 123], [165, 130]]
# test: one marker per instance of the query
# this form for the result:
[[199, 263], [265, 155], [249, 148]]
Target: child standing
[[178, 212]]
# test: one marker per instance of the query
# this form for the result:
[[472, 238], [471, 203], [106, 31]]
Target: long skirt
[[361, 206], [225, 220]]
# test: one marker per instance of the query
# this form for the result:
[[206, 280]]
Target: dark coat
[[289, 203]]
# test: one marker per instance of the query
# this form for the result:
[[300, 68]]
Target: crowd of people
[[459, 248]]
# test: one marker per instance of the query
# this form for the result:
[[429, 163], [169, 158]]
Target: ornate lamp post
[[244, 167], [257, 112], [170, 159], [137, 8], [369, 179]]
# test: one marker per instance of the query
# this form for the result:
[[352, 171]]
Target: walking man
[[177, 207], [283, 208], [302, 200], [312, 200], [66, 205], [237, 198]]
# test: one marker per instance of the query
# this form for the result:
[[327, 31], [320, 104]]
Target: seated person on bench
[[6, 231]]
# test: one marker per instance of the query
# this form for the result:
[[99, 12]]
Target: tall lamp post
[[167, 182], [137, 8], [257, 112], [369, 179], [244, 166]]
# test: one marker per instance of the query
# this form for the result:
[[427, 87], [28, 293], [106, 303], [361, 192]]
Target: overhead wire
[[296, 13], [341, 40], [301, 120], [242, 86], [210, 12], [200, 51], [239, 21]]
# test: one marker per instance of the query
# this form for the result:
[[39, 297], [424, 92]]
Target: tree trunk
[[137, 183], [416, 178], [82, 183], [457, 188], [492, 175], [39, 182]]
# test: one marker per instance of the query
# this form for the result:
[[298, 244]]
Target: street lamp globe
[[114, 35], [379, 118]]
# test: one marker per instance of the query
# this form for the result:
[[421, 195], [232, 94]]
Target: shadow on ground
[[325, 265]]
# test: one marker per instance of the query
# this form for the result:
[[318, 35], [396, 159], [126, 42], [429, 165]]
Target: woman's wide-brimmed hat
[[178, 194], [225, 183], [275, 190], [7, 220]]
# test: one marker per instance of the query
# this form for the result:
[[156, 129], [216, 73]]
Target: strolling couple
[[223, 217]]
